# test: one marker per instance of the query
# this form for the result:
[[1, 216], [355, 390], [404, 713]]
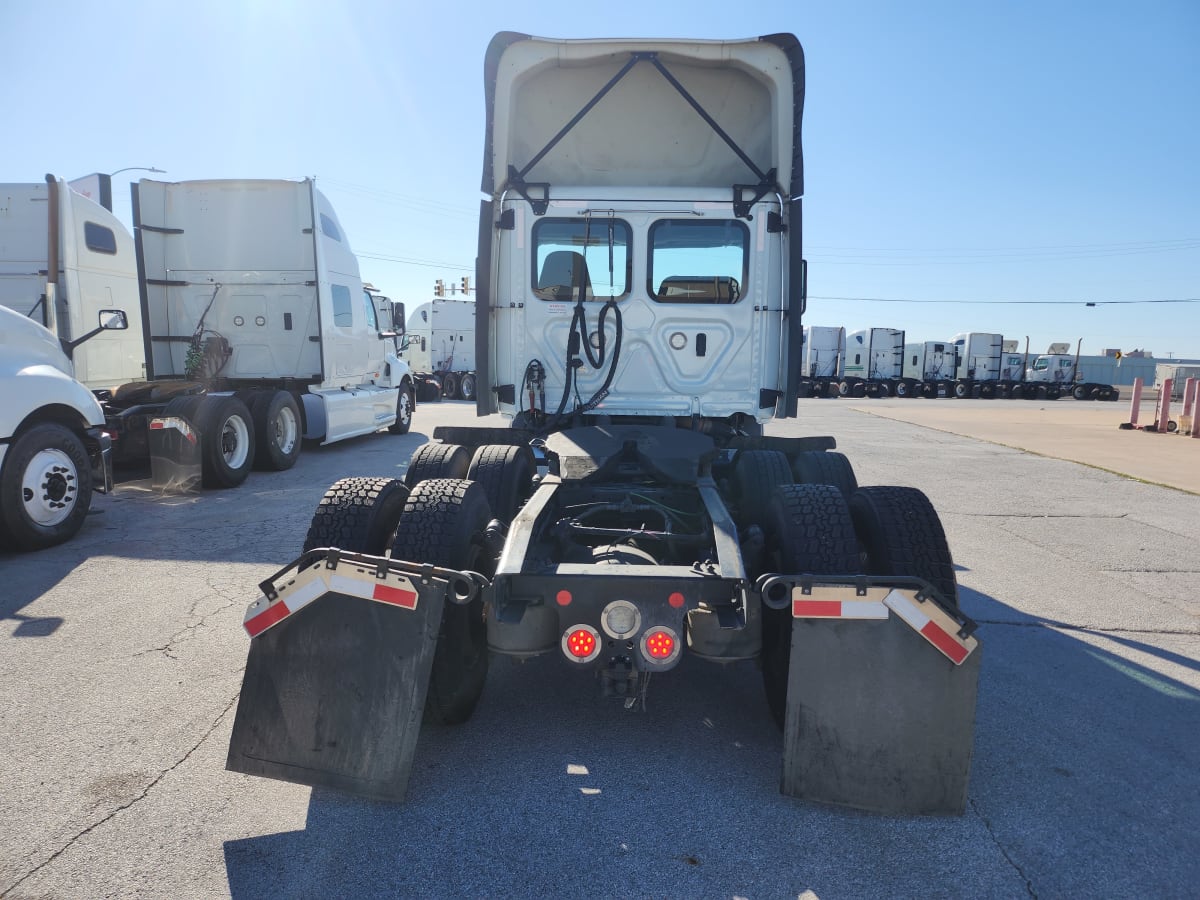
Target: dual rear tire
[[815, 529]]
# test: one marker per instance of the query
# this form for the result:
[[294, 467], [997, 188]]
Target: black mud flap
[[339, 665], [881, 693], [175, 464]]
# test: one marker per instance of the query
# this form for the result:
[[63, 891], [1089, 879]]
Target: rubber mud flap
[[877, 719], [333, 695], [175, 444]]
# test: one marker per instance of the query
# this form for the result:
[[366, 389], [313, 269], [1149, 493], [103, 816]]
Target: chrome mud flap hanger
[[741, 207]]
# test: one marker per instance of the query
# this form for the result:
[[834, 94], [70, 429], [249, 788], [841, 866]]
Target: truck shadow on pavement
[[261, 522], [1083, 784]]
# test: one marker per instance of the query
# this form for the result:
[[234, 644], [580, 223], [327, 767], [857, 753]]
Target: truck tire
[[883, 389], [1079, 392], [443, 524], [809, 530], [466, 387], [901, 534], [505, 472], [961, 390], [756, 475], [437, 460], [825, 467], [358, 515], [226, 437], [903, 389], [277, 430], [227, 442], [450, 386], [404, 410], [45, 488], [844, 389]]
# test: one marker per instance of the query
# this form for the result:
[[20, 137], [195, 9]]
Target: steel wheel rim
[[286, 430], [49, 487], [235, 442]]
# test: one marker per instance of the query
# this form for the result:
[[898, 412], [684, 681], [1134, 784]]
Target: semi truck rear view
[[640, 284]]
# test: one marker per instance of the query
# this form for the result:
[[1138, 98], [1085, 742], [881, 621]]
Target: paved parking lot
[[121, 657]]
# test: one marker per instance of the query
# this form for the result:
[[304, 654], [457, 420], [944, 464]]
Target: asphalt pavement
[[121, 656]]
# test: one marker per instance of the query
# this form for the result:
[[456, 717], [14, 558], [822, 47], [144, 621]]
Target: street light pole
[[137, 169]]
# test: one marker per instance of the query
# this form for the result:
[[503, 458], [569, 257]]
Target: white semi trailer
[[253, 329]]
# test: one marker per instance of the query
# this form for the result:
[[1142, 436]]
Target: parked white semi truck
[[821, 358], [439, 347], [874, 365], [1057, 372], [931, 365], [640, 289], [54, 452], [989, 366], [253, 329]]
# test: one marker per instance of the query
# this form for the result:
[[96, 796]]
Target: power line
[[1007, 302], [429, 263]]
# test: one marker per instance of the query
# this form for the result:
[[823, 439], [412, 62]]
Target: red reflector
[[660, 645], [676, 600], [563, 598], [156, 425], [581, 642]]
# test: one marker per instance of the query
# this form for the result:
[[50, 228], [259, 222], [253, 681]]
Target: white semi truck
[[1057, 372], [822, 356], [439, 346], [640, 288], [252, 329], [874, 365], [989, 366], [54, 453], [931, 365]]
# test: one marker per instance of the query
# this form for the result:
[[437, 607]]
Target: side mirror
[[398, 318], [113, 320]]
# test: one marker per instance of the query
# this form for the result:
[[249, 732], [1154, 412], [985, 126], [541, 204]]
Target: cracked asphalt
[[121, 656]]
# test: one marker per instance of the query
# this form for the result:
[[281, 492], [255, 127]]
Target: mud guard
[[339, 665], [175, 464], [881, 696]]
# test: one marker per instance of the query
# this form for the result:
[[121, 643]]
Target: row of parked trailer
[[878, 362]]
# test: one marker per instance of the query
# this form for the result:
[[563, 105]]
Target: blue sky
[[955, 152]]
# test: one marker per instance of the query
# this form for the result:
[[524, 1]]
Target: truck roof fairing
[[631, 112]]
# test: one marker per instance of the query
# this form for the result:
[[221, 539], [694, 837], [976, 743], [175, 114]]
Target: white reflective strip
[[303, 594], [352, 586], [863, 609], [905, 609]]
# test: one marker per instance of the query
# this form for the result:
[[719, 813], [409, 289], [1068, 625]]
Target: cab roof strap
[[741, 207]]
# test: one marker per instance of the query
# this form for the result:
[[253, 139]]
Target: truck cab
[[54, 453], [640, 279]]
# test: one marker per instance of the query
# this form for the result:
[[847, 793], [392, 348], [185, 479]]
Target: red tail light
[[660, 645], [581, 643]]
